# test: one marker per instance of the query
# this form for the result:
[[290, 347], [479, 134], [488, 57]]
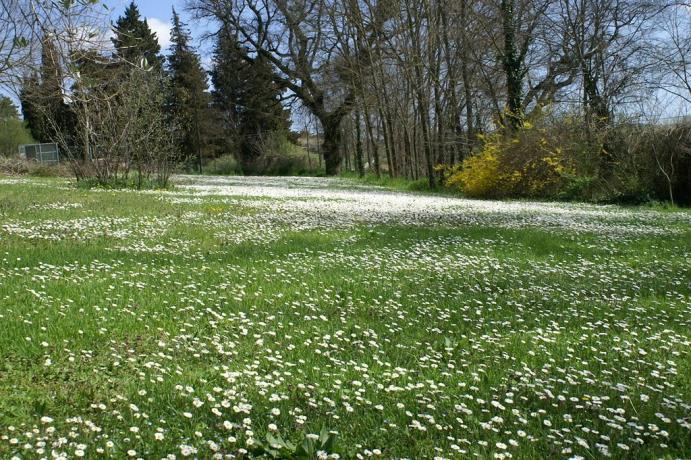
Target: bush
[[225, 165], [559, 157], [276, 156], [13, 133], [530, 163], [480, 176], [651, 163]]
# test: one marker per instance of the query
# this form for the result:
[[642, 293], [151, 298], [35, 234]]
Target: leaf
[[324, 435], [275, 441]]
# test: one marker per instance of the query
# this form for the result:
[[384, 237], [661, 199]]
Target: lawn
[[312, 318]]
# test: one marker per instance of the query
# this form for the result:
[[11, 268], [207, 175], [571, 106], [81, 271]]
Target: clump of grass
[[121, 183], [400, 183]]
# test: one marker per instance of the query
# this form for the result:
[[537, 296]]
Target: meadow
[[310, 318]]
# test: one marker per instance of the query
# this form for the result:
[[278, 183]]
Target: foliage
[[124, 127], [530, 162], [246, 93], [651, 162], [42, 97], [275, 156], [187, 102], [480, 176], [13, 132], [308, 448], [560, 157], [134, 40], [225, 165], [7, 109]]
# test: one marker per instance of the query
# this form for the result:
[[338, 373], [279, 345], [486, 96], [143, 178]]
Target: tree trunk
[[358, 146], [465, 75], [512, 67], [373, 142], [332, 145]]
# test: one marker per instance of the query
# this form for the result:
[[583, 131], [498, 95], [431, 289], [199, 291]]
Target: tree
[[12, 131], [114, 121], [188, 100], [7, 109], [134, 40], [302, 41], [43, 96], [247, 93], [14, 39], [674, 50], [512, 61]]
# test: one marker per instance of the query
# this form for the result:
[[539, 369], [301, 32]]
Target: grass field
[[312, 318]]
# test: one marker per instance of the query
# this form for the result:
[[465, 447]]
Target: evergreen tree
[[30, 111], [134, 39], [188, 99], [246, 92], [43, 99], [8, 111], [13, 133]]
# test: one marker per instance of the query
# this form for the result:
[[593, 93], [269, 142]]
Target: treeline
[[124, 112], [502, 98], [547, 97]]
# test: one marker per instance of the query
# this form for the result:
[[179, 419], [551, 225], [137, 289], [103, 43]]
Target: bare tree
[[674, 53], [301, 39]]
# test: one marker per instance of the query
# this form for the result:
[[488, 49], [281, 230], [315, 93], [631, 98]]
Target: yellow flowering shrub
[[481, 176], [527, 164]]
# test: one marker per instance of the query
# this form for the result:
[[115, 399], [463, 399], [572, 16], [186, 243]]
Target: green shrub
[[277, 156], [13, 131], [225, 165]]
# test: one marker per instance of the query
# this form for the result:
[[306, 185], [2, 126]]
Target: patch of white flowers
[[441, 342]]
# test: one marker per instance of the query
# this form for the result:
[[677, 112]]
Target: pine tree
[[188, 99], [246, 92], [134, 39]]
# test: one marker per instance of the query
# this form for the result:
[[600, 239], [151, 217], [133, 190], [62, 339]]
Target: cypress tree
[[30, 112], [188, 98], [134, 39], [42, 98]]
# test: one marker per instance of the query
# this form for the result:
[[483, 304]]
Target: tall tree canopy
[[248, 95], [135, 40], [188, 84], [43, 97], [12, 130], [308, 44]]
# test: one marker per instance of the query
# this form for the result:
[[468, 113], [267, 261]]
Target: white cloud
[[162, 29]]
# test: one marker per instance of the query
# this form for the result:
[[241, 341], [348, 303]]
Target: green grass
[[122, 312], [399, 183]]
